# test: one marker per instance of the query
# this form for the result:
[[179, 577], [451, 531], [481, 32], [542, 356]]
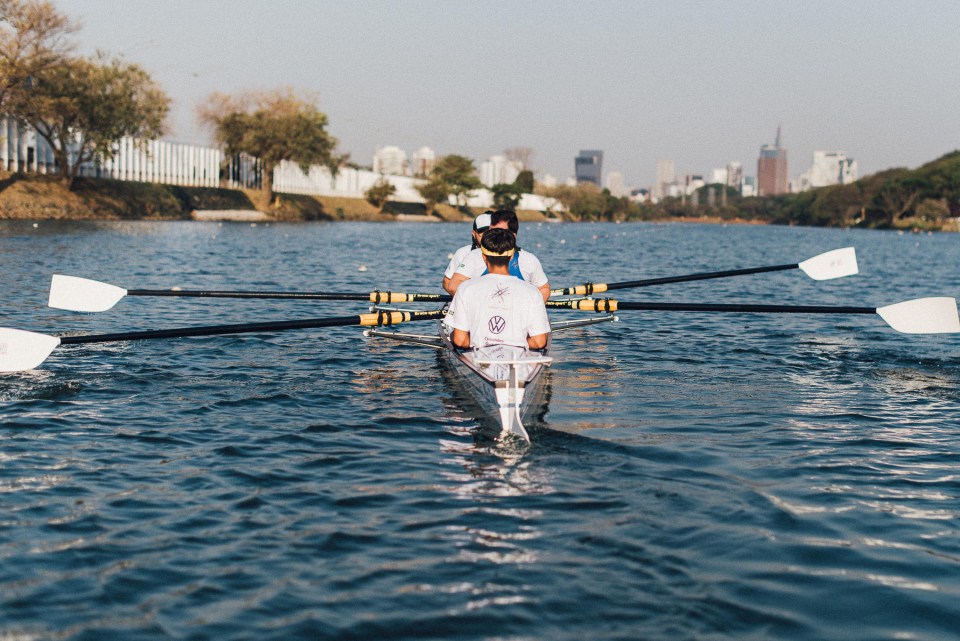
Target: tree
[[380, 192], [452, 176], [433, 191], [522, 155], [458, 174], [273, 126], [33, 37], [82, 107], [506, 195], [524, 181]]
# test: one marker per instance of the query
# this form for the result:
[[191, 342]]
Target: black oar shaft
[[609, 305], [598, 288], [373, 297], [375, 318], [703, 276]]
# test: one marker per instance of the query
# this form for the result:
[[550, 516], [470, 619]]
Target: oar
[[832, 264], [85, 295], [21, 350], [936, 315]]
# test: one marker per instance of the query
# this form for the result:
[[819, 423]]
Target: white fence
[[159, 161]]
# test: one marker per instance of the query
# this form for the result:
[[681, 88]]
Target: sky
[[700, 82]]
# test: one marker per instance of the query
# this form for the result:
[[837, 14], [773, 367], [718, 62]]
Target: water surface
[[692, 476]]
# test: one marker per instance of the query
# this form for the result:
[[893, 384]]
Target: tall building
[[828, 168], [666, 176], [616, 185], [772, 169], [497, 170], [423, 161], [589, 167], [390, 161], [735, 175]]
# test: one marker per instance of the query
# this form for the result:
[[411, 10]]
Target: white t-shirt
[[473, 267], [498, 310], [457, 261]]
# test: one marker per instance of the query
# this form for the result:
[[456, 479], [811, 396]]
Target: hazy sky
[[702, 83]]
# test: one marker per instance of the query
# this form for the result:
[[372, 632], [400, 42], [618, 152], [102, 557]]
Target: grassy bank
[[35, 197]]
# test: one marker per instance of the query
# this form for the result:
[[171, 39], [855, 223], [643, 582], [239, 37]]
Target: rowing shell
[[505, 381]]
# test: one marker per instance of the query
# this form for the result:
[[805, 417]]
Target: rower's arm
[[451, 284], [537, 342], [461, 338], [545, 291]]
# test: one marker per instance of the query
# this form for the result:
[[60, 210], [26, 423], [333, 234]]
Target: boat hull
[[506, 382]]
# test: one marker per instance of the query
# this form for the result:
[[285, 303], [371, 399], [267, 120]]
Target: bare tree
[[33, 37], [523, 155]]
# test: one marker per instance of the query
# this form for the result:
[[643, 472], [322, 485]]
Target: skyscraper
[[666, 176], [589, 166], [772, 169]]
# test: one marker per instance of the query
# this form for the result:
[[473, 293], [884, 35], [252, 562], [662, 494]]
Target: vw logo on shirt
[[496, 324]]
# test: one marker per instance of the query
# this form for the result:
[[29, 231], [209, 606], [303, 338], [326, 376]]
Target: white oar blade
[[21, 350], [83, 294], [832, 264], [936, 315]]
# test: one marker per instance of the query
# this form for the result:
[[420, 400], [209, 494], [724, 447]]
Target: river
[[691, 476]]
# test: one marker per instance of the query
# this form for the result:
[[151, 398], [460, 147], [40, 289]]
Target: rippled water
[[692, 476]]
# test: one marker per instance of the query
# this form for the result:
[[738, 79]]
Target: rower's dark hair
[[498, 240], [506, 215]]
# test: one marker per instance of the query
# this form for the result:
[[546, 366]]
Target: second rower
[[523, 265]]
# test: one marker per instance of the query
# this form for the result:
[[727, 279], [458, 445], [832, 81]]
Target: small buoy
[[253, 224], [35, 225], [362, 268], [449, 256], [595, 237], [563, 241]]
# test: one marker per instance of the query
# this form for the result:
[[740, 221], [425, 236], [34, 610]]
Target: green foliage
[[273, 126], [83, 107], [524, 182], [452, 176], [380, 192], [506, 195], [33, 38]]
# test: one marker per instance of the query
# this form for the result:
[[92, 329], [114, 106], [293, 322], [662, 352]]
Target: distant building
[[423, 161], [749, 186], [735, 175], [692, 182], [615, 184], [828, 168], [772, 169], [718, 176], [548, 180], [588, 167], [390, 161], [666, 176], [498, 170]]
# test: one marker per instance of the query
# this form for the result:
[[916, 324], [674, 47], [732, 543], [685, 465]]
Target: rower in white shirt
[[523, 265], [498, 308], [480, 224]]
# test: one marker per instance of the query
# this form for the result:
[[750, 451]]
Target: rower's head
[[480, 224], [505, 219], [497, 247]]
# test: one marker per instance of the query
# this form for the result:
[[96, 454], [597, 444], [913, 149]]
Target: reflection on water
[[728, 477]]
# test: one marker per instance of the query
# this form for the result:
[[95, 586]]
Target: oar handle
[[365, 320], [373, 297], [598, 288], [608, 305]]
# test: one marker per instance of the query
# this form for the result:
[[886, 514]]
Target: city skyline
[[701, 83]]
